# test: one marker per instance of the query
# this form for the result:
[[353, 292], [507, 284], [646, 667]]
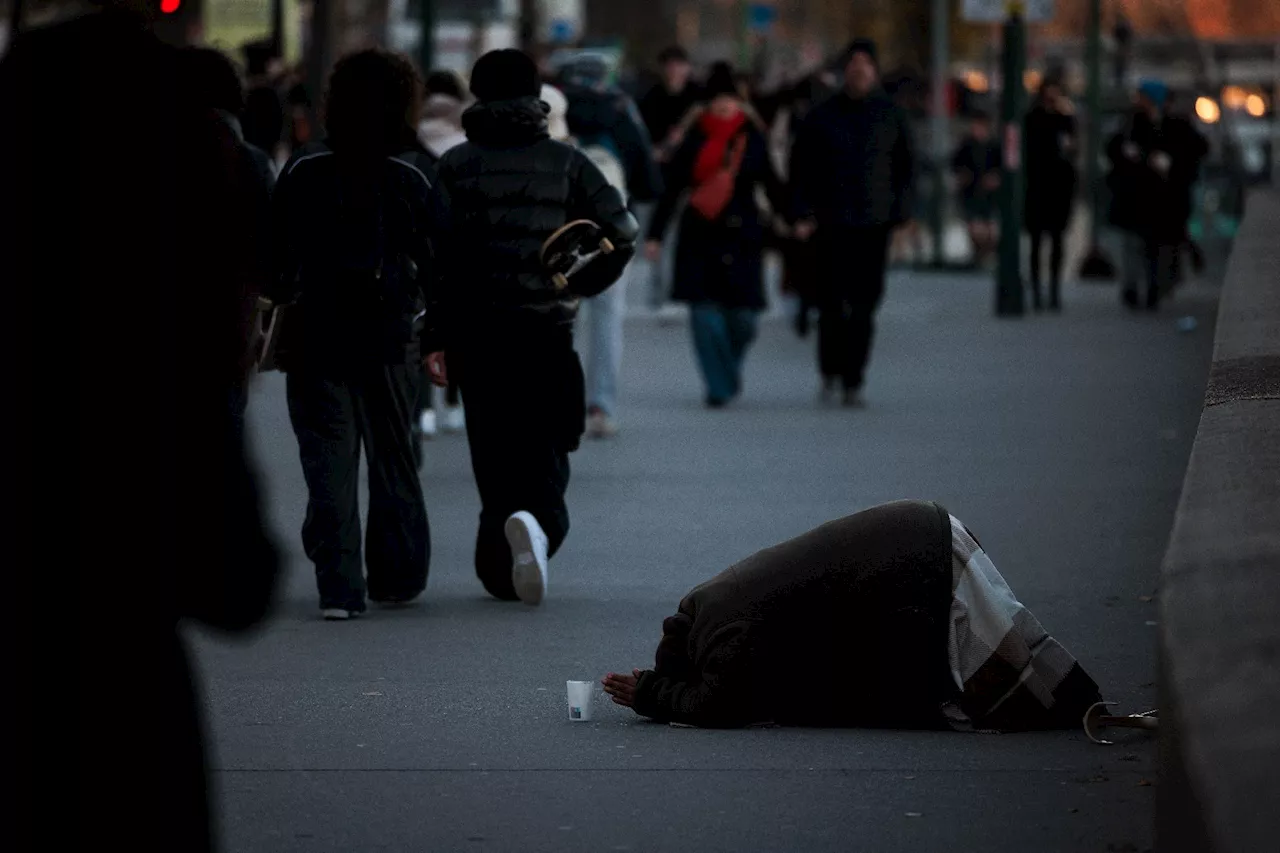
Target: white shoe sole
[[337, 614], [528, 563]]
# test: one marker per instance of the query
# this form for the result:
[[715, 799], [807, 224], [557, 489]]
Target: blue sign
[[560, 31], [761, 17]]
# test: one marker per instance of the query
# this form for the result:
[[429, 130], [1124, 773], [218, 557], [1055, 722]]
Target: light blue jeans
[[603, 362], [658, 276]]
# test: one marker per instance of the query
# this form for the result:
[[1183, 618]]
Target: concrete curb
[[1220, 585]]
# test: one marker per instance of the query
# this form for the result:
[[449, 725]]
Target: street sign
[[995, 11], [761, 17], [562, 20]]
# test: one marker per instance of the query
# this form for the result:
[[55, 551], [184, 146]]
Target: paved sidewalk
[[1060, 440]]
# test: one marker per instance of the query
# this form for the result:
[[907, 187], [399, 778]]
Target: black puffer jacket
[[510, 187]]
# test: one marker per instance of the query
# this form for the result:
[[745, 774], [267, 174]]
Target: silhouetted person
[[123, 253], [852, 173], [506, 331], [357, 217], [1051, 185], [977, 167]]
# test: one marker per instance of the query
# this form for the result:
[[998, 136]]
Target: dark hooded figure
[[893, 616], [505, 330]]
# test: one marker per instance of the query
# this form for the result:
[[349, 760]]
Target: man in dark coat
[[1050, 142], [893, 616], [1146, 202], [357, 220], [602, 114], [665, 106], [503, 330], [852, 173], [122, 243]]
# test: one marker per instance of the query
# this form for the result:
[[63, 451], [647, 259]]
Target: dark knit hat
[[720, 81], [861, 45], [503, 75]]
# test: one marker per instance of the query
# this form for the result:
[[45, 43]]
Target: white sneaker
[[338, 614], [528, 557], [454, 420], [427, 423]]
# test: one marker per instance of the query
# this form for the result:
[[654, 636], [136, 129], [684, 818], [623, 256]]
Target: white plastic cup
[[579, 693]]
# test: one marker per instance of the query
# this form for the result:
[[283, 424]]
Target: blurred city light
[[1234, 97], [1032, 79], [1255, 105], [170, 6], [1207, 109], [976, 81]]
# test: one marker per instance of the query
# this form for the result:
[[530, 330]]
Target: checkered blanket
[[1011, 674]]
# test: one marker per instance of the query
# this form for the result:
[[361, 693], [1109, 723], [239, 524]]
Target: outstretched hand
[[622, 688], [437, 370]]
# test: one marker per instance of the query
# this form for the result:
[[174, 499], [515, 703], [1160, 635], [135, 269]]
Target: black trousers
[[523, 393], [851, 269], [333, 418], [1055, 267]]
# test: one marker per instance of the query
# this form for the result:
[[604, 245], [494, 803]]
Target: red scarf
[[718, 132]]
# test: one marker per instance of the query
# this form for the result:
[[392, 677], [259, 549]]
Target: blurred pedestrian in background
[[506, 331], [1188, 147], [1145, 202], [977, 166], [719, 270], [439, 131], [356, 219], [604, 311], [664, 109], [853, 174], [1051, 145]]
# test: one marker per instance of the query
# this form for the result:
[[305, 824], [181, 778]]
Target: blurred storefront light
[[1208, 111], [1032, 79], [1255, 105], [976, 81], [1234, 97]]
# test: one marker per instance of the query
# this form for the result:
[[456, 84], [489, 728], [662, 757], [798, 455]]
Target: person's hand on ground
[[653, 250], [437, 369], [622, 688], [804, 229]]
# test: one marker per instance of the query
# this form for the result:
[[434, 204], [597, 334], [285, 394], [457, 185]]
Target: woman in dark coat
[[1051, 184], [719, 269]]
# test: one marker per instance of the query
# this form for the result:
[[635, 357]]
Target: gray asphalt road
[[1060, 440]]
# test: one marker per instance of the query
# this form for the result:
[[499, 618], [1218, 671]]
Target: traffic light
[[170, 6]]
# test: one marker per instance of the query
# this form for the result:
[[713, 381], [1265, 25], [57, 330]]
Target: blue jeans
[[604, 335], [720, 339]]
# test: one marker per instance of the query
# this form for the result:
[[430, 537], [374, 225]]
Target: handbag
[[712, 196]]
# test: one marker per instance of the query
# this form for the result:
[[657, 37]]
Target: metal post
[[427, 43], [939, 123], [1009, 296], [319, 53], [1095, 265]]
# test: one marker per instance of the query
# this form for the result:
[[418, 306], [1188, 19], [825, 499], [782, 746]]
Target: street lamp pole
[[427, 42], [939, 127], [1095, 264], [1009, 296]]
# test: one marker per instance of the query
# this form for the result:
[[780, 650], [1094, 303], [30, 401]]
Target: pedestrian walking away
[[356, 219], [604, 311], [892, 617], [852, 173], [503, 330], [1051, 146], [1147, 204], [440, 130], [977, 166]]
